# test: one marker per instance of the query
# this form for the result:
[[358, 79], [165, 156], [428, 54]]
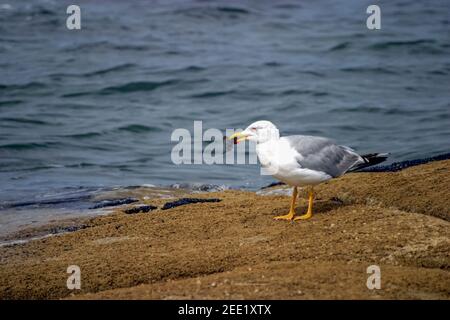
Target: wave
[[26, 86], [377, 110], [25, 121], [47, 202], [106, 45], [387, 44], [28, 146], [288, 6], [138, 86], [378, 70], [100, 72], [34, 168], [437, 72], [212, 94], [81, 165], [86, 135], [313, 93], [75, 94], [120, 67], [192, 68], [272, 64], [10, 102], [133, 128], [212, 12], [416, 46], [233, 10], [340, 46]]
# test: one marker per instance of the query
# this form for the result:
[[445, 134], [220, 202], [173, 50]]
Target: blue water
[[96, 107]]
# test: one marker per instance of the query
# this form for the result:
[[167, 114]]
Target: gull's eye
[[253, 129]]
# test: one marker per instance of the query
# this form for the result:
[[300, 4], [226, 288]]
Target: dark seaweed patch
[[137, 209], [184, 201], [397, 166]]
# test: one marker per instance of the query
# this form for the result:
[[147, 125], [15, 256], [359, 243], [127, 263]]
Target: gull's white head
[[259, 131]]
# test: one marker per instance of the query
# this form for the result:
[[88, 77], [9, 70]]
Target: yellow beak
[[239, 136]]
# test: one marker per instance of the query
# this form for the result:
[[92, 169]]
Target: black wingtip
[[370, 159]]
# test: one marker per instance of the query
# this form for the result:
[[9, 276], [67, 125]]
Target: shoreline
[[86, 206], [233, 249]]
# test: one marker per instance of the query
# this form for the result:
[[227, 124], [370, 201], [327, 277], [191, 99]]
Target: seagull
[[302, 161]]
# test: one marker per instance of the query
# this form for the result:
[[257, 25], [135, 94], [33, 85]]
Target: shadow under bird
[[302, 161]]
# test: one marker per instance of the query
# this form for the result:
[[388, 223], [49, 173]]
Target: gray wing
[[322, 154]]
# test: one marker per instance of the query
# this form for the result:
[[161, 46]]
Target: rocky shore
[[225, 245]]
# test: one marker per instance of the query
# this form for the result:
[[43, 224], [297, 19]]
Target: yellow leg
[[310, 206], [291, 213]]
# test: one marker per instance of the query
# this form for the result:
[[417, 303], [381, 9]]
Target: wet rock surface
[[113, 203]]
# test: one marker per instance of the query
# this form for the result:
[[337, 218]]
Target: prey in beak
[[238, 137]]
